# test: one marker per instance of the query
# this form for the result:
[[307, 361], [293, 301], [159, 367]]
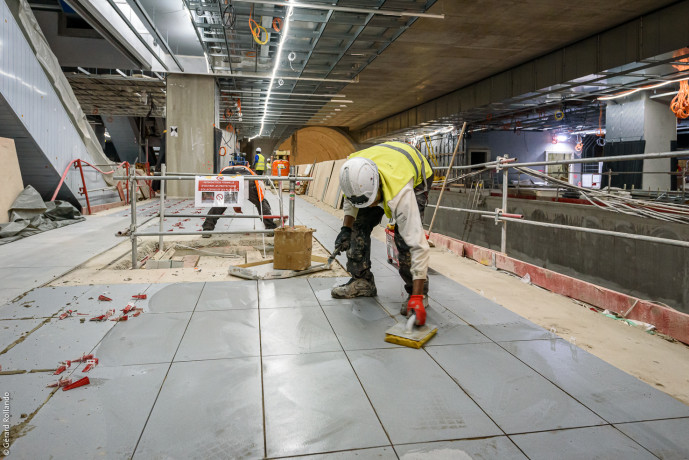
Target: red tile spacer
[[98, 318], [104, 298], [77, 384], [60, 370], [139, 296]]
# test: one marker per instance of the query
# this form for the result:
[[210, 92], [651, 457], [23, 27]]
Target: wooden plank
[[11, 183], [324, 173], [312, 184]]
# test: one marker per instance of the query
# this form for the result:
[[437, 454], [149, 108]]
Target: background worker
[[259, 162], [392, 179], [256, 197]]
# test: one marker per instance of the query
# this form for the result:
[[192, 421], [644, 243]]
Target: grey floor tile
[[287, 293], [611, 393], [315, 404], [121, 295], [100, 420], [143, 340], [498, 447], [375, 453], [56, 341], [222, 412], [360, 324], [220, 334], [27, 393], [28, 278], [173, 298], [391, 290], [514, 395], [451, 329], [12, 330], [415, 399], [228, 295], [496, 322], [43, 302], [286, 331], [8, 295], [667, 439], [322, 286], [600, 443], [519, 329]]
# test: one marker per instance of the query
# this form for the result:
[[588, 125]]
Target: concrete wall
[[638, 117], [191, 108], [650, 271], [660, 129]]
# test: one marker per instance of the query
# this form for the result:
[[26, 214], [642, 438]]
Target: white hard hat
[[359, 181], [258, 149]]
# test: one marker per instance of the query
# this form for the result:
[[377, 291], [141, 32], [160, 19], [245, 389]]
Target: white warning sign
[[219, 191]]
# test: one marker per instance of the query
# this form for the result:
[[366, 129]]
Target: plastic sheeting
[[30, 215]]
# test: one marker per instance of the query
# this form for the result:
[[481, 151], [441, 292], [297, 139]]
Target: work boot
[[355, 287], [403, 310]]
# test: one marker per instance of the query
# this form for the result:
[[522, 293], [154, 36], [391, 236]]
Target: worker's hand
[[344, 239], [415, 306]]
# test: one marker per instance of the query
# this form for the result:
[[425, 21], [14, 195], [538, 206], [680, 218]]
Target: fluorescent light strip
[[280, 93], [278, 56], [627, 93]]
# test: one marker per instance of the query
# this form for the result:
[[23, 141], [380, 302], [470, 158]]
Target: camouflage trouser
[[210, 222], [359, 253]]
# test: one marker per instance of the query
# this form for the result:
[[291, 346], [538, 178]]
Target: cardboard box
[[292, 248]]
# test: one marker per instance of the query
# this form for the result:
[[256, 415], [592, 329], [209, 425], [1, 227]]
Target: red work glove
[[415, 306]]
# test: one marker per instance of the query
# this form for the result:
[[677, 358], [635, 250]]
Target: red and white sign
[[219, 191]]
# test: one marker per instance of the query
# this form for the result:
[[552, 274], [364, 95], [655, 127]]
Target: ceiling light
[[82, 70], [121, 73], [562, 137], [278, 56]]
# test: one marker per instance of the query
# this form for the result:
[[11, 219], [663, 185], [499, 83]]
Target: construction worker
[[392, 179], [259, 162], [255, 197]]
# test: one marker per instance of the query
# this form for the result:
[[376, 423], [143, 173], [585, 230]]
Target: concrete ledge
[[666, 320]]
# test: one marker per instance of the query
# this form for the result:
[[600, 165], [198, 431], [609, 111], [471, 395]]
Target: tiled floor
[[278, 368]]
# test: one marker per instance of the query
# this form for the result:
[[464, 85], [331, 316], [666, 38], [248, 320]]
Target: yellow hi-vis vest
[[397, 164], [260, 164]]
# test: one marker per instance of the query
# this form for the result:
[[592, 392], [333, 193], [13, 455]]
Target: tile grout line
[[355, 373], [260, 352], [162, 384], [474, 401], [607, 422]]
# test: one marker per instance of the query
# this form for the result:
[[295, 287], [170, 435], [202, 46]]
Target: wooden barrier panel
[[322, 179]]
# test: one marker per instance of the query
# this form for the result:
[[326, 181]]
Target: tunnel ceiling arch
[[318, 143]]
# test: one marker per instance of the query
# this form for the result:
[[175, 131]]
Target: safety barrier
[[164, 176]]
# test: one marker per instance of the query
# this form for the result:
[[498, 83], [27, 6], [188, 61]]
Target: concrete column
[[638, 117], [191, 108]]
